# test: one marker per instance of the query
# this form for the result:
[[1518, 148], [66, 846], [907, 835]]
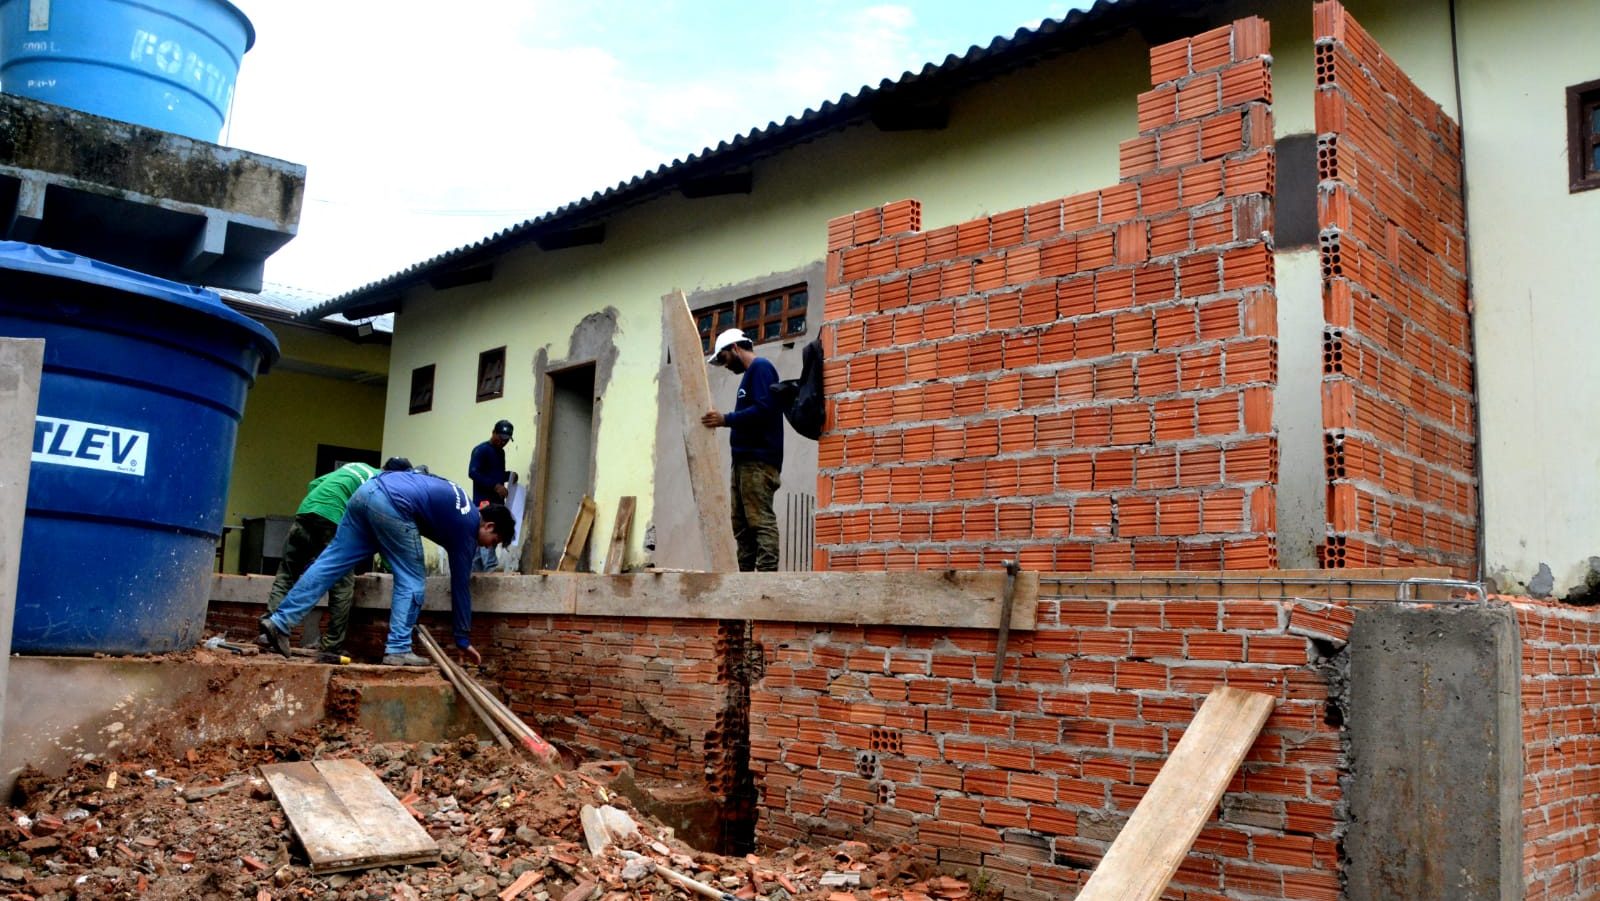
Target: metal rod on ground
[[513, 724], [477, 708]]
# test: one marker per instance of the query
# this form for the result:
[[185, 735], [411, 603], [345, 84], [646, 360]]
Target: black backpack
[[802, 400]]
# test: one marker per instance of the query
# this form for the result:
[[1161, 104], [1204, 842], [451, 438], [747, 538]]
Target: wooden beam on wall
[[708, 481], [620, 532]]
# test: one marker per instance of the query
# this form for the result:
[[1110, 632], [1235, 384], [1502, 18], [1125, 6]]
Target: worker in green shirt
[[313, 528]]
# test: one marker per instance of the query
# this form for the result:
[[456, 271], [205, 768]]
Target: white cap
[[725, 340]]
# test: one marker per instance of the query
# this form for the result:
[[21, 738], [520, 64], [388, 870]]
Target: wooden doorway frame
[[533, 515]]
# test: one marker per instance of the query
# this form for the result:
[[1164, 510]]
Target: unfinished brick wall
[[897, 734], [1561, 750], [1084, 383], [1397, 392], [652, 691]]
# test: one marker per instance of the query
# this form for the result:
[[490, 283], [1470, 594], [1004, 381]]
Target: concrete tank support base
[[1435, 733]]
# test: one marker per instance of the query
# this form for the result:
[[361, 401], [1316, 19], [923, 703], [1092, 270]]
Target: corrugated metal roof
[[1053, 36]]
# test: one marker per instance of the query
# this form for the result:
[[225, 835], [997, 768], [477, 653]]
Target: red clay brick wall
[[1561, 756], [1397, 352], [898, 735], [652, 691], [1085, 383]]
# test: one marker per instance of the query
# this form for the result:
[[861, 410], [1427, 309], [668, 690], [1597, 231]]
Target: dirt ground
[[204, 825]]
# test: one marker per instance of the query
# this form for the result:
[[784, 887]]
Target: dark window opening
[[772, 316], [422, 389], [1583, 136], [1294, 205], [492, 374]]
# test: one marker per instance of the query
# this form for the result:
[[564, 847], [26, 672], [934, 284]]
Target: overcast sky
[[427, 125]]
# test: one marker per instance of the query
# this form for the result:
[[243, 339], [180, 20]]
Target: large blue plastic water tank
[[143, 387], [169, 65]]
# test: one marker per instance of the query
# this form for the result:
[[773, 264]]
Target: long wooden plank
[[1155, 840], [954, 600], [345, 818], [620, 532], [578, 537], [708, 481]]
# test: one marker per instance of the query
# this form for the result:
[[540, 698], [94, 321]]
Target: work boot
[[405, 660], [274, 639]]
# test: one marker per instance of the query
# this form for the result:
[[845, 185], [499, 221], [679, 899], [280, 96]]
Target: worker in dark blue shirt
[[487, 470], [756, 439], [392, 512]]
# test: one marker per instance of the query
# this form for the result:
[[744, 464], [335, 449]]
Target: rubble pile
[[205, 825]]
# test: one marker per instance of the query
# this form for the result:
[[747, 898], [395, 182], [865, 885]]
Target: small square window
[[1583, 136], [492, 374], [422, 389]]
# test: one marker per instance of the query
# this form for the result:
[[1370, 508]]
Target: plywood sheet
[[345, 817], [708, 480]]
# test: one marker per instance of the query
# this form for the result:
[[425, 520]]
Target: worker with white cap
[[756, 438]]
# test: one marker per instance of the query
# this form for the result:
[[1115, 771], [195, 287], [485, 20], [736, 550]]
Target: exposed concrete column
[[21, 360], [1435, 732]]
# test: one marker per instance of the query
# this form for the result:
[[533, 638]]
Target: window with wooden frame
[[492, 374], [1583, 135], [771, 316], [422, 389]]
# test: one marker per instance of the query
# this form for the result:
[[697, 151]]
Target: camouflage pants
[[308, 537], [755, 526]]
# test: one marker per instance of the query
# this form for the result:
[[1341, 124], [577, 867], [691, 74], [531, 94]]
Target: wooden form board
[[620, 531], [345, 818], [578, 537], [1155, 840], [708, 480]]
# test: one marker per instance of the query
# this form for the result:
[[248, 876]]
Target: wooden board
[[1155, 840], [708, 480], [345, 818], [578, 537], [620, 531], [953, 600]]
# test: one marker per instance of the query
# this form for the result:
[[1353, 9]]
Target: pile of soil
[[205, 825]]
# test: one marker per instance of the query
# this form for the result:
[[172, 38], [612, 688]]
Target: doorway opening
[[566, 457]]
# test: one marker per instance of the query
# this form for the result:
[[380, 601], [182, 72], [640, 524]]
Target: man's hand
[[471, 653], [500, 490], [713, 419]]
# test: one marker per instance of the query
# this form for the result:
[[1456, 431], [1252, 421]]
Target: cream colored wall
[[286, 416], [1010, 142], [1533, 252]]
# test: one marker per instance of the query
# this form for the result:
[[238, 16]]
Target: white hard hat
[[725, 340]]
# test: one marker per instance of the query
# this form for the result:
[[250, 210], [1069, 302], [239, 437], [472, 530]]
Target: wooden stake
[[708, 482], [619, 534], [578, 537]]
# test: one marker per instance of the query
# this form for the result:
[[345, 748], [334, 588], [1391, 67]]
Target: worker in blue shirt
[[487, 470], [392, 512], [756, 438]]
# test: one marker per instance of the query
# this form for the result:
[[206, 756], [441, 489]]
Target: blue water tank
[[143, 387], [169, 65]]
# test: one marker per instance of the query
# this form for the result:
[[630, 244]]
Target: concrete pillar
[[1435, 732], [21, 360]]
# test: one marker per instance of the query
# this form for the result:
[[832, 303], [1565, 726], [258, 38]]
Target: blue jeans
[[370, 524], [485, 560]]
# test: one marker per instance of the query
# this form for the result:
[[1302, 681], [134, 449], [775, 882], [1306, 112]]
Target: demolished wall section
[[1085, 383], [1397, 390]]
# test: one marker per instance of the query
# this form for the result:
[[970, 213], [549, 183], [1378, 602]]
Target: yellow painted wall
[[1046, 131], [288, 414], [1533, 249]]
